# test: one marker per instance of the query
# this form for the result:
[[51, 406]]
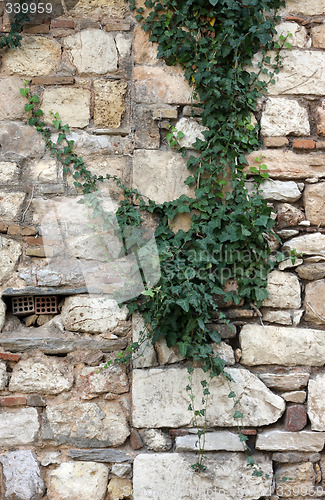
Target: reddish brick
[[36, 29], [117, 25], [53, 80], [304, 144], [62, 23], [249, 432], [135, 440], [21, 230], [296, 418], [178, 432], [294, 18], [13, 401], [33, 242], [8, 356]]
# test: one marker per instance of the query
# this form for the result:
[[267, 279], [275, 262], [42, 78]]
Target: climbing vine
[[224, 257]]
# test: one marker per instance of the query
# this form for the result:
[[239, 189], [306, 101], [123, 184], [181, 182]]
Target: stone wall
[[72, 429]]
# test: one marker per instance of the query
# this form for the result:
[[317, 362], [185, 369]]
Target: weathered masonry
[[70, 429]]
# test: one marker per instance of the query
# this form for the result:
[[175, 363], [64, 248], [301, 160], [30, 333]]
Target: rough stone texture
[[296, 120], [316, 403], [10, 251], [289, 165], [2, 312], [93, 381], [82, 480], [167, 355], [37, 56], [161, 84], [45, 170], [60, 346], [92, 51], [147, 131], [22, 475], [92, 314], [100, 455], [288, 216], [284, 290], [191, 130], [315, 203], [8, 171], [283, 317], [295, 418], [10, 205], [297, 34], [86, 425], [145, 52], [160, 175], [121, 470], [302, 480], [277, 345], [109, 103], [301, 71], [18, 427], [318, 36], [3, 375], [311, 271], [160, 399], [119, 489], [320, 119], [123, 45], [20, 140], [314, 302], [308, 7], [277, 190], [65, 101], [156, 440], [214, 441], [285, 379], [146, 356], [40, 375], [277, 440], [294, 396], [97, 9], [169, 476], [308, 244], [11, 101]]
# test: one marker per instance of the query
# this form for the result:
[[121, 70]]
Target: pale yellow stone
[[11, 101], [8, 171], [318, 36], [306, 7], [314, 197], [72, 104], [314, 302], [10, 205], [119, 489], [301, 480], [96, 9], [37, 56], [109, 103]]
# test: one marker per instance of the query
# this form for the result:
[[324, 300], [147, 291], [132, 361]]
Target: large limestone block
[[279, 345], [3, 375], [78, 480], [10, 251], [37, 56], [314, 197], [296, 34], [316, 402], [285, 379], [22, 475], [161, 84], [66, 101], [109, 103], [97, 9], [8, 171], [286, 164], [283, 116], [10, 205], [160, 398], [145, 52], [87, 425], [92, 51], [302, 478], [277, 190], [314, 302], [301, 73], [20, 140], [311, 271], [18, 427], [93, 381], [278, 440], [41, 375], [160, 175], [307, 7], [308, 244], [284, 290], [11, 101], [92, 314], [169, 476]]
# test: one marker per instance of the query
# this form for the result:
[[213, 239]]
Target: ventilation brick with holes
[[46, 305], [23, 305]]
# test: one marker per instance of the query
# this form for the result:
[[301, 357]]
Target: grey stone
[[169, 476], [22, 475], [78, 480], [146, 356], [121, 470], [19, 140], [277, 440], [18, 427], [289, 457], [60, 346], [3, 375], [101, 455], [52, 457], [214, 441], [160, 398], [87, 425], [43, 290], [280, 345]]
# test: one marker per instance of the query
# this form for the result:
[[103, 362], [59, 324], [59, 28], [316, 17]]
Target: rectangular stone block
[[18, 427], [66, 101], [161, 84], [277, 440], [277, 345], [214, 441], [286, 164], [109, 103]]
